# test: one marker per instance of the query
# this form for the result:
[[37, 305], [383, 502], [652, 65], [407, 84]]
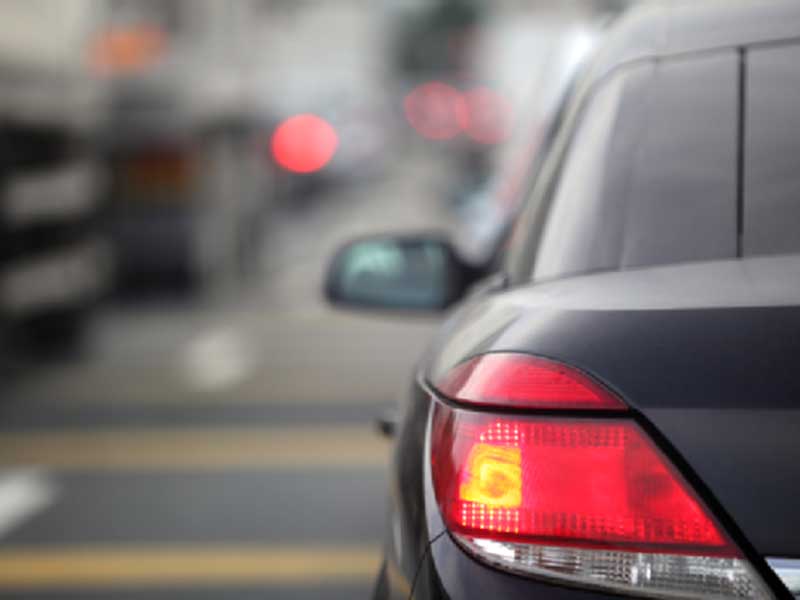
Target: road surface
[[216, 448]]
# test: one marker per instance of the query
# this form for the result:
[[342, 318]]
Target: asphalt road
[[220, 447]]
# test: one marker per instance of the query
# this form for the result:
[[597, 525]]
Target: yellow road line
[[153, 449], [398, 580], [127, 566]]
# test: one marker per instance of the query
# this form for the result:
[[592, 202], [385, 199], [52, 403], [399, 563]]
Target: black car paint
[[729, 421]]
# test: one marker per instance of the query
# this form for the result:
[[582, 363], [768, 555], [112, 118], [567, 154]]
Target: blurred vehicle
[[333, 131], [433, 39], [191, 185], [499, 110], [615, 410], [432, 48], [324, 95], [54, 261], [531, 59]]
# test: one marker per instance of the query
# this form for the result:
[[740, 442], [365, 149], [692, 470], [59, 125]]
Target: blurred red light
[[127, 49], [304, 143], [488, 116], [436, 110]]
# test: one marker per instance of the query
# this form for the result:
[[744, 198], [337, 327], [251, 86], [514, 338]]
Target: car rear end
[[637, 437], [190, 186], [155, 182]]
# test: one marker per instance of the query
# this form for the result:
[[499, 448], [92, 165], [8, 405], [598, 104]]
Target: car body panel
[[764, 282], [731, 431], [731, 410]]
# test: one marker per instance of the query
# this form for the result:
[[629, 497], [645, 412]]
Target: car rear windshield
[[772, 152], [650, 173]]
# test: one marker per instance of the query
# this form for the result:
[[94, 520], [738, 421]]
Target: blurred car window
[[618, 202], [540, 109], [772, 168]]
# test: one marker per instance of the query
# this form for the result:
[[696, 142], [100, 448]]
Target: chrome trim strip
[[788, 571]]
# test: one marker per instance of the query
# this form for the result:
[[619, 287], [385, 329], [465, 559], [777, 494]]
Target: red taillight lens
[[587, 500], [524, 381], [591, 483], [154, 170]]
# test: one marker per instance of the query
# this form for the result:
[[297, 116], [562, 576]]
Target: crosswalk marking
[[217, 360], [23, 494]]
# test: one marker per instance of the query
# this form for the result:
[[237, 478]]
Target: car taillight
[[589, 501], [524, 381], [159, 170]]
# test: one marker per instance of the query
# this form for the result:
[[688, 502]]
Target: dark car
[[616, 410], [190, 186]]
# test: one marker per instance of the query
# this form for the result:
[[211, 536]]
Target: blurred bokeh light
[[304, 143]]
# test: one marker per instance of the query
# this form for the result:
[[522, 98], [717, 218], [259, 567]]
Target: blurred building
[[54, 260]]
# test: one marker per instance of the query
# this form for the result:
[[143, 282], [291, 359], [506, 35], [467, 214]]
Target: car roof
[[668, 29]]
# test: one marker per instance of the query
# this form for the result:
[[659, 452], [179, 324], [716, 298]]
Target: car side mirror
[[398, 272]]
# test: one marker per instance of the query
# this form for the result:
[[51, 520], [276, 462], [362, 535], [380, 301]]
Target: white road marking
[[23, 494], [217, 360]]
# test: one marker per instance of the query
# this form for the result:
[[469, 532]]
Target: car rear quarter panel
[[716, 385]]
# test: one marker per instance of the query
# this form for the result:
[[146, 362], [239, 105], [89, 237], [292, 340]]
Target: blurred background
[[180, 413]]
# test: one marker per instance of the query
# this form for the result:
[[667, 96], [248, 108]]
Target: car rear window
[[772, 152], [650, 174]]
